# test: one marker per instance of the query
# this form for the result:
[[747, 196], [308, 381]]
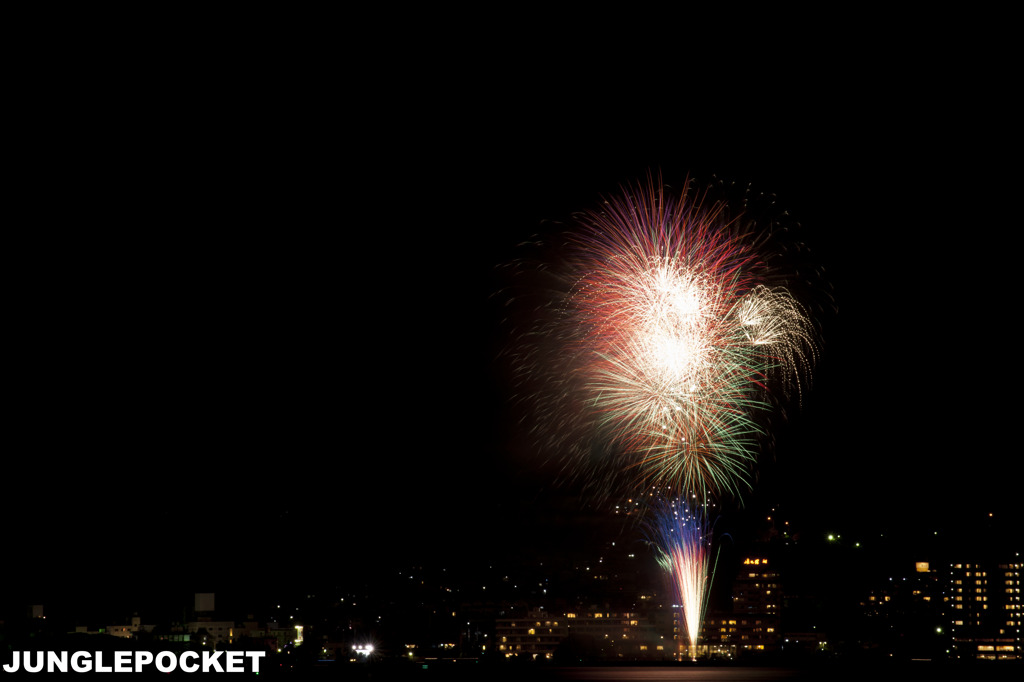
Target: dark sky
[[260, 320]]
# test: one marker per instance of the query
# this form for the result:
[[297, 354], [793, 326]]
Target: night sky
[[257, 325]]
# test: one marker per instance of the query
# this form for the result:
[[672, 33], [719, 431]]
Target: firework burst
[[644, 358], [669, 325], [679, 336]]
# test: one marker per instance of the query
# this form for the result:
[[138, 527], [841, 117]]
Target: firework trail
[[682, 538], [669, 324]]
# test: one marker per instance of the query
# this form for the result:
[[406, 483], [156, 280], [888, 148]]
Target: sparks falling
[[683, 540], [656, 354], [680, 337]]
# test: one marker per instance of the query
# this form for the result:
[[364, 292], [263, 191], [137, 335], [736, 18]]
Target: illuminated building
[[925, 586], [983, 608], [608, 635], [210, 632], [123, 631], [128, 631], [757, 589], [753, 624], [536, 634]]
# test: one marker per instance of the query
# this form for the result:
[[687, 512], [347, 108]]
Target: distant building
[[283, 634], [753, 624], [266, 636], [125, 631], [535, 635], [983, 608], [128, 631], [211, 632], [601, 634], [926, 587]]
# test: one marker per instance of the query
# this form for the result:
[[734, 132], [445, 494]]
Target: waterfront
[[831, 672]]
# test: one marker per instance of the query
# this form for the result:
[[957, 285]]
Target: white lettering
[[166, 667], [132, 661], [235, 662], [122, 661], [58, 660], [255, 656], [15, 663], [142, 658], [210, 660], [76, 662], [38, 665], [189, 668]]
